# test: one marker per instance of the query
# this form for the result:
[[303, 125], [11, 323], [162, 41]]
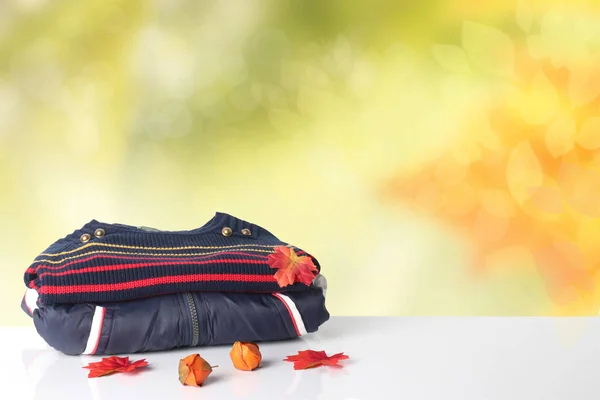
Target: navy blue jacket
[[176, 320]]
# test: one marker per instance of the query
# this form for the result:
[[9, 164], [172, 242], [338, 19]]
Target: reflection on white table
[[390, 358]]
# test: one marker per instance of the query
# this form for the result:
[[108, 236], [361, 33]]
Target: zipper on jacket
[[194, 314]]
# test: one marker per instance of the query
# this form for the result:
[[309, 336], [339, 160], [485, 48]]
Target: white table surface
[[391, 358]]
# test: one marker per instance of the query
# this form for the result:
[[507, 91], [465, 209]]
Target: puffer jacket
[[116, 289]]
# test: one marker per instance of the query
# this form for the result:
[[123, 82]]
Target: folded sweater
[[113, 262]]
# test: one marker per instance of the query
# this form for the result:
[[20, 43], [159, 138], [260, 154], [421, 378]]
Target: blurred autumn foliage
[[436, 157], [523, 178]]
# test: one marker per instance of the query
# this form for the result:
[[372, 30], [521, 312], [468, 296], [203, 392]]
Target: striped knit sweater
[[112, 262]]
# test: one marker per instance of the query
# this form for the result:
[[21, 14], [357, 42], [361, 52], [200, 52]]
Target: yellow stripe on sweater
[[122, 246], [137, 254]]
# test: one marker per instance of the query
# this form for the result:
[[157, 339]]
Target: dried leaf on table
[[112, 365], [310, 359]]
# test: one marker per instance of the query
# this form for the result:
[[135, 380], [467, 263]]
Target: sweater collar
[[215, 224]]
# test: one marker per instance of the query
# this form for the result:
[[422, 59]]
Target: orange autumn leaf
[[193, 370], [311, 359], [292, 268], [245, 356], [113, 365]]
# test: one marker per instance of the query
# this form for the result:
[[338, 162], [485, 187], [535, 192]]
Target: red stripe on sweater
[[149, 257], [113, 287], [119, 267]]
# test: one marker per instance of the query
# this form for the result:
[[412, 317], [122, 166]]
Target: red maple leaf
[[112, 365], [310, 359], [292, 268]]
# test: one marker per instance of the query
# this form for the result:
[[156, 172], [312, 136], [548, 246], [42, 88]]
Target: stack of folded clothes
[[113, 289]]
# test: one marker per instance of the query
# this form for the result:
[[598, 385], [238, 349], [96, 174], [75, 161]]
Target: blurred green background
[[298, 115]]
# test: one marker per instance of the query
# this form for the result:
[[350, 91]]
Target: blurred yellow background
[[438, 158]]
